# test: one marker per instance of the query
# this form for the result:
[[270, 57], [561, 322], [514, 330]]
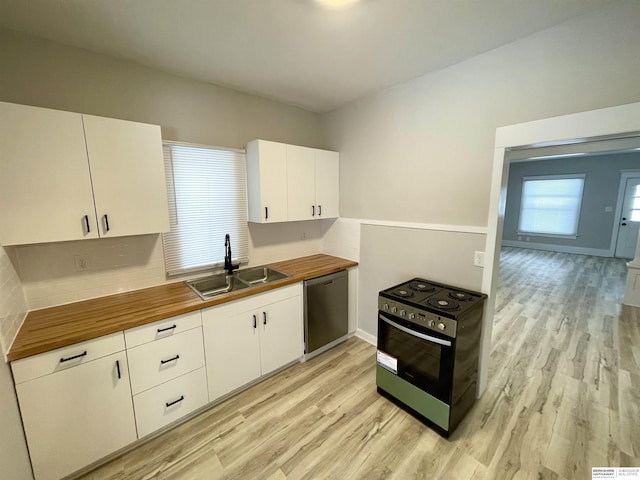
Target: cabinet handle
[[264, 318], [62, 360], [266, 213], [86, 222], [255, 322], [313, 210], [319, 210], [162, 362], [118, 369], [106, 222], [168, 404], [160, 330]]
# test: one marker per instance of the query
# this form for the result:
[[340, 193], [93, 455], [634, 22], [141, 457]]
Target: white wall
[[423, 151], [14, 460]]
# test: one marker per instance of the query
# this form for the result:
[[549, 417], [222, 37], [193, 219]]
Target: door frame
[[624, 176], [612, 122]]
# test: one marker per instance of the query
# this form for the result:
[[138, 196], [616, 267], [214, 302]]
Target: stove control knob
[[431, 323], [385, 306], [403, 313], [412, 316], [394, 309], [441, 326]]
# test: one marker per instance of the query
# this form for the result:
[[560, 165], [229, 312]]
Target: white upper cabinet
[[327, 184], [67, 176], [45, 185], [127, 170], [304, 180], [267, 181], [301, 183]]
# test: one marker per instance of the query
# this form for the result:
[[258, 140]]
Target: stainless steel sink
[[260, 275], [218, 284], [207, 287]]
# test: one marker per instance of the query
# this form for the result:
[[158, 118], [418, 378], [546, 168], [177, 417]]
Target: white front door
[[629, 220]]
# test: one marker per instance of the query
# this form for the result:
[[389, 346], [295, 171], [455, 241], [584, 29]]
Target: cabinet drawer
[[162, 329], [157, 362], [170, 401], [66, 357]]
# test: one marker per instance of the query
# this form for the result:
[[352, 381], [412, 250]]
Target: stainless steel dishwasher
[[325, 310]]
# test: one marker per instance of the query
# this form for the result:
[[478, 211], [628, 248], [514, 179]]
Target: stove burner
[[421, 286], [461, 296], [401, 292], [443, 304]]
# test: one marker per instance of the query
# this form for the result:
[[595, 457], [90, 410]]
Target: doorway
[[628, 218], [607, 123]]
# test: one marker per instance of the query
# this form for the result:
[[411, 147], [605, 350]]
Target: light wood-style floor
[[563, 396]]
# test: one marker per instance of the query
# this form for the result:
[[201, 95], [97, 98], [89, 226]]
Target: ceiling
[[294, 51]]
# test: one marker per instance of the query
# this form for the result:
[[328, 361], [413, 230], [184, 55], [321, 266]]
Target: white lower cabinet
[[266, 333], [78, 402], [168, 377], [74, 416], [170, 401]]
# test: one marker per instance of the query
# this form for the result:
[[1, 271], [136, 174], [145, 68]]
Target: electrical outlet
[[478, 259], [303, 236], [83, 263]]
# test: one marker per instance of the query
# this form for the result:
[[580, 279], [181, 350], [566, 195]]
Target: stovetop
[[437, 298]]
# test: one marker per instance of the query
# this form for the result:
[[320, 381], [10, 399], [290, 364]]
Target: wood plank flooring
[[563, 396]]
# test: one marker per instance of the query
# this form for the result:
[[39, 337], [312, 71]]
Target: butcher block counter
[[64, 325]]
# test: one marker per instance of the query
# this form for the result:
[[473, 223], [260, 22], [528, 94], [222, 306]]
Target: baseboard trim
[[367, 337], [596, 252]]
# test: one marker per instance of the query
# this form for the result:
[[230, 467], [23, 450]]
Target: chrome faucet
[[228, 266]]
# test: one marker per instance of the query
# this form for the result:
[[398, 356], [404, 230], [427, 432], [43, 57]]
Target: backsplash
[[65, 272], [13, 304]]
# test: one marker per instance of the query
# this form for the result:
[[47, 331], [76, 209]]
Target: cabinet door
[[127, 171], [232, 350], [77, 416], [281, 339], [301, 183], [327, 183], [266, 181], [45, 186]]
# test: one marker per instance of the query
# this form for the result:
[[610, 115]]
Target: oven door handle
[[413, 333]]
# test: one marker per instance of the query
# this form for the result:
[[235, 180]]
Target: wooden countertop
[[64, 325]]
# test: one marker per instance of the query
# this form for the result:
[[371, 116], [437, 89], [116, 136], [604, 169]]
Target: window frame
[[576, 176], [240, 254]]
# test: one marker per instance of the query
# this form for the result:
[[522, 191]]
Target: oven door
[[419, 356]]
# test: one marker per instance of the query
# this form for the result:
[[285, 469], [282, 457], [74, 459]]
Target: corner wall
[[14, 459]]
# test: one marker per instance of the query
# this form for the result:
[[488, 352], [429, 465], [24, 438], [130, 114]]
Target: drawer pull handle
[[83, 354], [264, 318], [170, 359], [255, 322], [160, 330], [319, 210], [86, 221], [106, 222], [313, 210], [118, 369], [168, 404]]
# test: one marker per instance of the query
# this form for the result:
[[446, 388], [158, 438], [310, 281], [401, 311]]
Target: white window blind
[[551, 204], [207, 192]]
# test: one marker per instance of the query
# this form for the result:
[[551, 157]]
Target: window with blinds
[[551, 205], [207, 192]]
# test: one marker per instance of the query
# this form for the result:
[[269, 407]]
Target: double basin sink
[[220, 283]]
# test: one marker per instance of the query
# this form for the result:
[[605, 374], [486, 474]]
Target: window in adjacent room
[[551, 205], [207, 192]]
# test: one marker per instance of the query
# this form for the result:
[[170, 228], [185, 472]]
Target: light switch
[[608, 209]]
